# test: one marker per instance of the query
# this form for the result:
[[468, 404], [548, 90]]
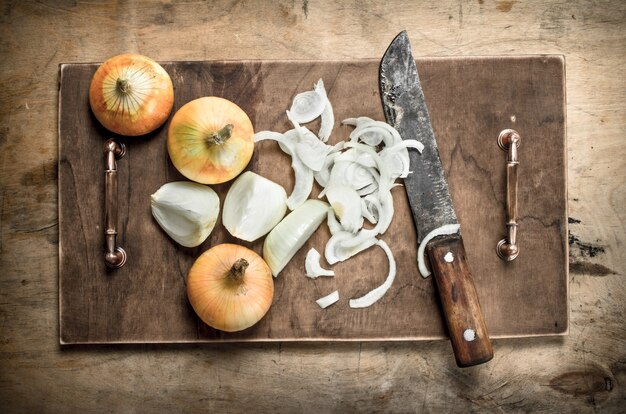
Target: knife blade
[[405, 109]]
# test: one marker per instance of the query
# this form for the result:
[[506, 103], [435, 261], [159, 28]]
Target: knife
[[405, 109]]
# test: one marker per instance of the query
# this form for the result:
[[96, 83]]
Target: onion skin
[[226, 301], [192, 144], [131, 95]]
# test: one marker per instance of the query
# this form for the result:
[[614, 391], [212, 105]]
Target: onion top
[[131, 94]]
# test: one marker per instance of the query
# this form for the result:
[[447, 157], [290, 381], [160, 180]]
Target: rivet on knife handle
[[459, 300], [508, 248], [114, 256]]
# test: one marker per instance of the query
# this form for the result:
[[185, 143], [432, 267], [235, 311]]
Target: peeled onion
[[253, 206], [186, 211]]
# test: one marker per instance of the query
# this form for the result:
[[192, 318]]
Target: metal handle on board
[[114, 256], [509, 141]]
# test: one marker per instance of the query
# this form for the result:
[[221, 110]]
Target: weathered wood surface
[[471, 101], [583, 372]]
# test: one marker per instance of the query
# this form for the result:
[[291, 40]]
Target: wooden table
[[583, 372]]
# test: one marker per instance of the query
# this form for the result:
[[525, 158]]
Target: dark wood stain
[[505, 6], [470, 100], [584, 382], [591, 269], [584, 249]]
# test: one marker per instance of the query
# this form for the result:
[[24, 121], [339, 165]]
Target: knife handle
[[466, 325]]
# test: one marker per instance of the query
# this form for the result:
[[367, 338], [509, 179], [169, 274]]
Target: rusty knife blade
[[405, 109]]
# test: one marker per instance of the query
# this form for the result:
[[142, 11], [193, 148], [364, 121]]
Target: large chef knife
[[431, 205]]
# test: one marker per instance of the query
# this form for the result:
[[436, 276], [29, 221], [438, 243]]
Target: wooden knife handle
[[466, 325]]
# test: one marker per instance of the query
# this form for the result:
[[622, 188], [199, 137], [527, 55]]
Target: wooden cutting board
[[470, 101]]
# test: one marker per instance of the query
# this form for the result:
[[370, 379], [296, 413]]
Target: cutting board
[[470, 101]]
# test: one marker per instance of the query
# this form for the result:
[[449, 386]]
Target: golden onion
[[131, 94], [210, 140], [230, 287]]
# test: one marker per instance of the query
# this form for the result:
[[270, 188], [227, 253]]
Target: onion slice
[[333, 224], [282, 243], [374, 295], [323, 175], [313, 267], [343, 245], [328, 300], [307, 106], [346, 203], [328, 117], [368, 210], [439, 231], [303, 175], [351, 174], [311, 150]]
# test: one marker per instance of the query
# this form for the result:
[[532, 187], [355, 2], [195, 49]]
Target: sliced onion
[[343, 245], [333, 224], [268, 135], [362, 158], [385, 208], [398, 161], [346, 203], [385, 211], [367, 211], [368, 189], [374, 295], [372, 204], [439, 231], [350, 174], [328, 300], [383, 167], [323, 175], [370, 138], [302, 187], [328, 119], [374, 132], [407, 143], [282, 243], [303, 175], [356, 177], [312, 265], [307, 106], [311, 150]]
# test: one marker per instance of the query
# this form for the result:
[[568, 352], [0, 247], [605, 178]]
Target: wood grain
[[583, 372], [145, 300]]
